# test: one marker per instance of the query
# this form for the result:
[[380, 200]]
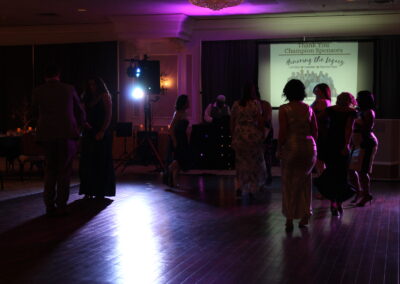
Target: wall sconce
[[164, 82]]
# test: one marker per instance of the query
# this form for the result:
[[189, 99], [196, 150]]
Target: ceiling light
[[216, 4]]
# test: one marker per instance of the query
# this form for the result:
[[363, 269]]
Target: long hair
[[365, 100], [249, 92], [101, 88], [325, 90], [181, 102]]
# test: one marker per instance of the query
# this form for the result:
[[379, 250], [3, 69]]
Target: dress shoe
[[366, 198], [335, 211], [51, 212], [289, 226], [303, 222]]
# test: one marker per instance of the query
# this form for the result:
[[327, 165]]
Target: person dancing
[[180, 141], [322, 101], [297, 149], [266, 112], [333, 183], [365, 145], [247, 126]]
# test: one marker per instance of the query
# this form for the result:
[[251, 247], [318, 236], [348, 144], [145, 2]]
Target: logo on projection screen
[[311, 79], [332, 63]]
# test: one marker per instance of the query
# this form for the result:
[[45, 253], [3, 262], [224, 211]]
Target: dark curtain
[[78, 61], [387, 77], [225, 67], [16, 79]]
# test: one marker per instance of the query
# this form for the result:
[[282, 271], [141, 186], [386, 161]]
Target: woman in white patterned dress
[[247, 140]]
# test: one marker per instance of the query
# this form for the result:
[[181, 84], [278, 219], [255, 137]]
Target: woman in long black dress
[[179, 138], [266, 112], [322, 101], [96, 165], [333, 183]]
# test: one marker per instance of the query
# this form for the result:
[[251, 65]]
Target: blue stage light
[[137, 93]]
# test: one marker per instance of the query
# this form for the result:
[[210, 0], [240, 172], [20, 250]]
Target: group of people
[[346, 144], [61, 118], [336, 142], [252, 145]]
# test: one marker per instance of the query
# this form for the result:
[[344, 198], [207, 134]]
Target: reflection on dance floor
[[199, 233]]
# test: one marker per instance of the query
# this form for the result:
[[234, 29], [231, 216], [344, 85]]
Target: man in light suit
[[60, 118]]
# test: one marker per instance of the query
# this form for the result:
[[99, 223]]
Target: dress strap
[[310, 113]]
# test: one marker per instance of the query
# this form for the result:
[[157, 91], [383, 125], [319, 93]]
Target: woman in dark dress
[[180, 141], [96, 165], [266, 112], [333, 183], [322, 101]]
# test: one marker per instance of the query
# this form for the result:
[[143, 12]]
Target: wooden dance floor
[[199, 234]]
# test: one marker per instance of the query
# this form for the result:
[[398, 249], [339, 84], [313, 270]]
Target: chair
[[1, 181], [9, 150], [32, 153]]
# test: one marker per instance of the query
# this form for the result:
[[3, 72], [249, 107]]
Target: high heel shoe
[[340, 209], [335, 211], [289, 226], [303, 222], [364, 200], [356, 198]]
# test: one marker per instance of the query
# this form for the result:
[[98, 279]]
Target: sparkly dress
[[298, 156], [247, 141]]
